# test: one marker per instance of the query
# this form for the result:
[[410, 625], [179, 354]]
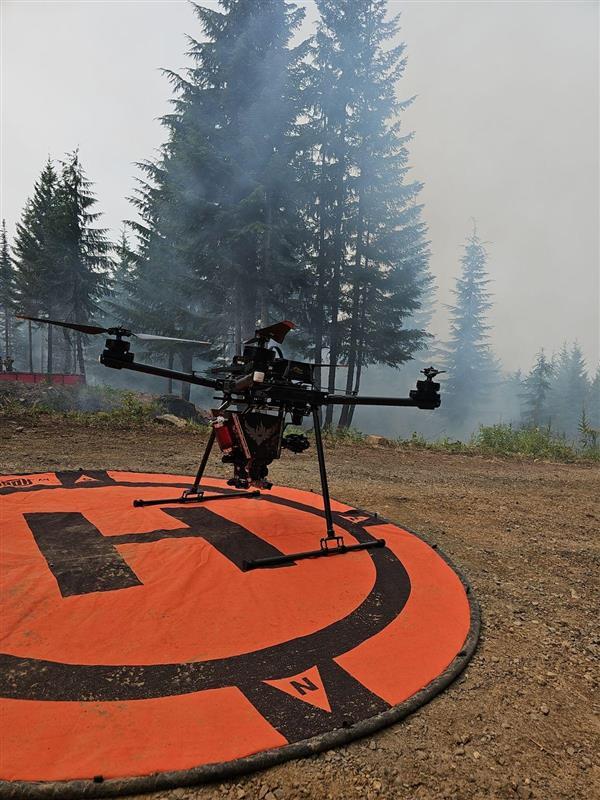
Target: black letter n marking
[[304, 686]]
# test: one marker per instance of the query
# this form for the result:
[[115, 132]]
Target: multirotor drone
[[260, 393]]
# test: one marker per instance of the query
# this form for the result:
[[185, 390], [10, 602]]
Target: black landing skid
[[330, 545]]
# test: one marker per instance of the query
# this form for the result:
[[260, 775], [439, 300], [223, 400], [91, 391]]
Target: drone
[[260, 394]]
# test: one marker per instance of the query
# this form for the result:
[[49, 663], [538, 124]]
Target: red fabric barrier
[[42, 377]]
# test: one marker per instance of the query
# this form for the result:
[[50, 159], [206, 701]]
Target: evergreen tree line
[[282, 190], [559, 394], [60, 264]]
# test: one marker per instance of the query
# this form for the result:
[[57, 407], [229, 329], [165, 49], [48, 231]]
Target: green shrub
[[503, 439]]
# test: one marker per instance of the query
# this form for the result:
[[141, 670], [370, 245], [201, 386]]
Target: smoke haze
[[505, 122]]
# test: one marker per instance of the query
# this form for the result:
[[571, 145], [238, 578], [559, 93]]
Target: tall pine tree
[[371, 259], [569, 391], [37, 279], [536, 387], [468, 359], [7, 295], [61, 258], [220, 238]]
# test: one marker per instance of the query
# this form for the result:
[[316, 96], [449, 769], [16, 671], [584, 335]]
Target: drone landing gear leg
[[331, 544], [195, 495]]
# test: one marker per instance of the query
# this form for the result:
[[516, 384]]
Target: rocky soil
[[523, 720]]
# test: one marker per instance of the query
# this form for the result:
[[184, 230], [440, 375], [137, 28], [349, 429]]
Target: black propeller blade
[[75, 326], [93, 330]]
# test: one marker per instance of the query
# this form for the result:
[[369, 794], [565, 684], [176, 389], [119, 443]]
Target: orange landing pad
[[137, 654]]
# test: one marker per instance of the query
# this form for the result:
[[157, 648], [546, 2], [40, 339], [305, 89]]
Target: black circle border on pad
[[114, 787]]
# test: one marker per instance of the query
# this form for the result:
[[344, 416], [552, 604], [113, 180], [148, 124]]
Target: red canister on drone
[[223, 434]]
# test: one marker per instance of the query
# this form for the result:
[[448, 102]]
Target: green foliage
[[467, 357], [61, 259], [504, 440], [96, 405], [341, 436], [219, 238], [536, 388], [569, 390], [368, 251], [589, 437]]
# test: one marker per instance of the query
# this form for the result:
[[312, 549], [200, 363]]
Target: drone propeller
[[94, 330], [89, 329], [154, 337]]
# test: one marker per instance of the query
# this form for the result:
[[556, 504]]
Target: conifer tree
[[35, 250], [61, 258], [569, 390], [372, 252], [594, 401], [468, 359], [7, 295], [84, 261], [535, 395], [219, 216]]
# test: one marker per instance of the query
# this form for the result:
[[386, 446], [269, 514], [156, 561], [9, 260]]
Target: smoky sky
[[505, 125]]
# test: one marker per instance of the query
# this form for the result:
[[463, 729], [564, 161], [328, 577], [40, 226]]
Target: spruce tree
[[7, 295], [536, 386], [569, 391], [84, 256], [61, 258], [594, 401], [37, 265], [372, 252], [219, 215], [467, 357]]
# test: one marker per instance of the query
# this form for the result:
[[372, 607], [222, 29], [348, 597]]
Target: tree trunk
[[30, 343], [356, 391], [170, 380], [266, 265], [360, 349], [80, 360], [237, 333], [334, 336], [321, 269], [6, 333], [186, 363], [49, 354], [346, 414], [67, 352]]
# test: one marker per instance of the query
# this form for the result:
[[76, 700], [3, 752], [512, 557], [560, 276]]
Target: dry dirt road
[[523, 719]]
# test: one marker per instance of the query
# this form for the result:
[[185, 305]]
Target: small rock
[[372, 745], [571, 750], [264, 789], [279, 793], [170, 419], [240, 794], [378, 441], [19, 429], [544, 709]]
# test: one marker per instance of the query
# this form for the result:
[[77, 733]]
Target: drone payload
[[260, 390]]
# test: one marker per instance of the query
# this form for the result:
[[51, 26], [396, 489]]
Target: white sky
[[505, 122]]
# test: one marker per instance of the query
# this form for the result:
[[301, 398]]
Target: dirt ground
[[523, 719]]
